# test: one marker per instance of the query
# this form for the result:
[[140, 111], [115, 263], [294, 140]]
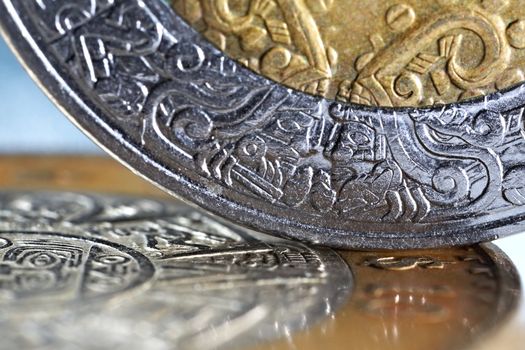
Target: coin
[[382, 53], [434, 299], [99, 272], [167, 103]]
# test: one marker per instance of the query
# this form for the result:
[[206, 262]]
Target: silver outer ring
[[460, 185]]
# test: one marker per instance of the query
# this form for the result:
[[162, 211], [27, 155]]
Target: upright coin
[[96, 272], [381, 53], [162, 99]]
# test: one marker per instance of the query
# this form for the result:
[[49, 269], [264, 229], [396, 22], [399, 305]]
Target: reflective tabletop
[[195, 282]]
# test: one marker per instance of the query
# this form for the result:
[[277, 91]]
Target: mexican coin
[[162, 99]]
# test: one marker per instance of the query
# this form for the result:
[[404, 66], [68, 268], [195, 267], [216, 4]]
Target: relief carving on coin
[[46, 266], [384, 53], [182, 114]]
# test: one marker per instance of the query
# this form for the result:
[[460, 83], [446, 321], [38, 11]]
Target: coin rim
[[85, 115]]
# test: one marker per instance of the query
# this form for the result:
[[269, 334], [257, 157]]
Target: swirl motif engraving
[[247, 140], [422, 53], [396, 80]]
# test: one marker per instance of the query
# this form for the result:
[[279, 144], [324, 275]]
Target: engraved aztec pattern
[[280, 39], [409, 59], [264, 142]]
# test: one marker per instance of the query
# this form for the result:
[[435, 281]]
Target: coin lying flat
[[171, 106], [427, 299], [104, 272], [381, 53], [99, 272]]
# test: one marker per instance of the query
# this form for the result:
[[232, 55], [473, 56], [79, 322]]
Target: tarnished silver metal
[[157, 96], [95, 272]]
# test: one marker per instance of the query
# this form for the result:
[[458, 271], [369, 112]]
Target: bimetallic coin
[[167, 103], [97, 272], [380, 53], [435, 300]]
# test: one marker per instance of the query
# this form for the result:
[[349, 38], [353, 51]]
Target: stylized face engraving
[[48, 265], [37, 267], [292, 128], [356, 142]]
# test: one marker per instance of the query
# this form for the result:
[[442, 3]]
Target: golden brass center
[[379, 52]]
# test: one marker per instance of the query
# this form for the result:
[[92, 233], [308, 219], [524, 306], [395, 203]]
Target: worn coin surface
[[380, 53], [162, 99], [427, 299], [98, 272]]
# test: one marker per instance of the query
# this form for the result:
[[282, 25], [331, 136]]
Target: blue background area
[[29, 122]]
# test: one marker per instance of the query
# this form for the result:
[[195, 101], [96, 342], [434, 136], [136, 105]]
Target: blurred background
[[30, 123]]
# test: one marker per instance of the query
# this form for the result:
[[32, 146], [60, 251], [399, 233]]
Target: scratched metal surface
[[151, 91]]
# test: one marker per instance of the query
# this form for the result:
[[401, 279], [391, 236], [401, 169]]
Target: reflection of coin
[[137, 273], [162, 99], [436, 300], [382, 53]]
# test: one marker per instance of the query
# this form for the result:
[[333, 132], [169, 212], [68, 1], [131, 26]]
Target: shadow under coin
[[97, 272], [427, 299]]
